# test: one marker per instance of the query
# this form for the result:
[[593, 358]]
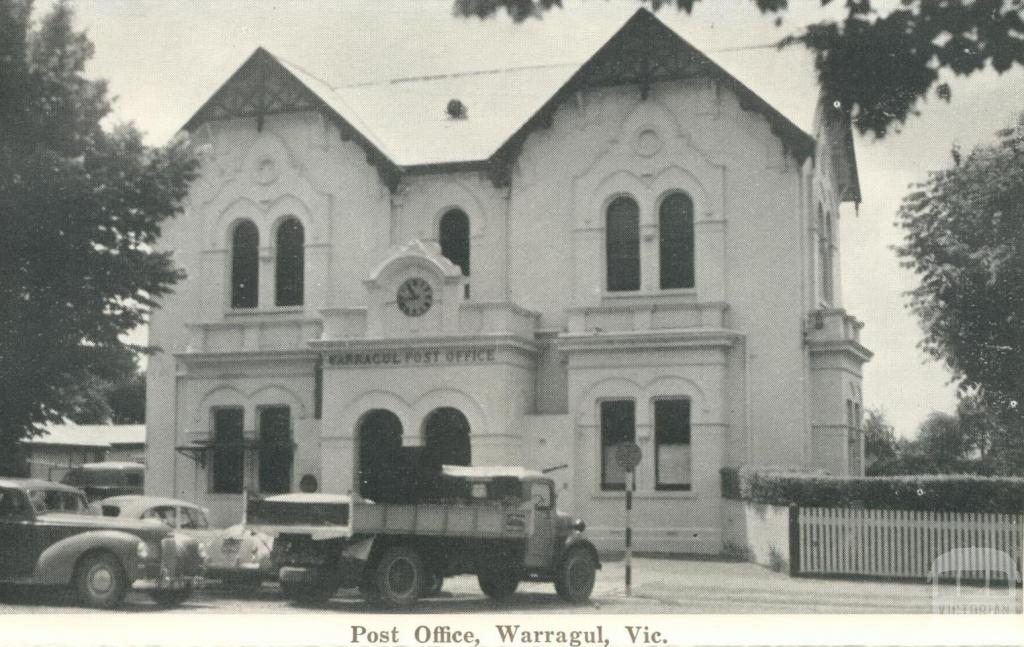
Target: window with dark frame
[[290, 270], [676, 246], [245, 265], [275, 450], [672, 456], [618, 424], [622, 245], [453, 236], [228, 464]]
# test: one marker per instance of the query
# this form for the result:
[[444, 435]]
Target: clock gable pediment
[[414, 291]]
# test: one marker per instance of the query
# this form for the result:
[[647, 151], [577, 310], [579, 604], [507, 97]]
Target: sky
[[164, 58]]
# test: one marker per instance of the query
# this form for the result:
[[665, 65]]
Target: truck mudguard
[[57, 563], [574, 540]]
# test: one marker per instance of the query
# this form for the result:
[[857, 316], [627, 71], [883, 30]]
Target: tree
[[965, 240], [880, 445], [878, 67], [80, 209]]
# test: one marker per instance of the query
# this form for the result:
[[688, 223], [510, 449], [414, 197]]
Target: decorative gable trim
[[262, 86]]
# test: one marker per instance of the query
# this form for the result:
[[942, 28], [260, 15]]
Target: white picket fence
[[905, 543]]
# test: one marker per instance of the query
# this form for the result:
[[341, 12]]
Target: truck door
[[540, 544]]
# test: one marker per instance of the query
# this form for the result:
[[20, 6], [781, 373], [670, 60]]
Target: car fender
[[576, 540], [57, 563]]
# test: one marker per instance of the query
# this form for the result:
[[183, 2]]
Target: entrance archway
[[446, 436], [380, 446]]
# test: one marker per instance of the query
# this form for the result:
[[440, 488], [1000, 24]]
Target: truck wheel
[[101, 581], [499, 583], [399, 577], [435, 582], [576, 574], [170, 599]]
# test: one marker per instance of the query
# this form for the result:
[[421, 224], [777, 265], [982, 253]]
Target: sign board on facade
[[414, 356], [627, 455]]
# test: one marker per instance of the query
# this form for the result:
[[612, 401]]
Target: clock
[[415, 297]]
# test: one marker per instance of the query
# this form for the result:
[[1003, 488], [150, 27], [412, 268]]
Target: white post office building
[[514, 267]]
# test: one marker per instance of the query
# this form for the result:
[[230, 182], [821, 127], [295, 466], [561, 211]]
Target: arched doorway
[[446, 435], [380, 446]]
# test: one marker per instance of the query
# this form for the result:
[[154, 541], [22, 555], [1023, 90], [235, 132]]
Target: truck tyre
[[574, 581], [399, 577], [101, 581], [498, 583], [435, 582], [167, 599]]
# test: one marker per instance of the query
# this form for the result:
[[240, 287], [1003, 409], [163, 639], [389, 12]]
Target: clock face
[[415, 297]]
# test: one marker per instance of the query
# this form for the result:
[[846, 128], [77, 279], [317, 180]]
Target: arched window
[[245, 265], [447, 437], [453, 235], [675, 225], [623, 245], [290, 263]]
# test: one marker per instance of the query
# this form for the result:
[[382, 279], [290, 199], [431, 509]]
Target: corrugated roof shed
[[73, 435]]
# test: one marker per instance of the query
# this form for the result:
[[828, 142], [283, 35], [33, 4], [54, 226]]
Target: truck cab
[[498, 523]]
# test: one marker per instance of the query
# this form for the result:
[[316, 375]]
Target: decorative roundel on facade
[[415, 297], [266, 172], [308, 483], [648, 143]]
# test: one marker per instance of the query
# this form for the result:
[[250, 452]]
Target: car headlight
[[203, 553], [142, 550]]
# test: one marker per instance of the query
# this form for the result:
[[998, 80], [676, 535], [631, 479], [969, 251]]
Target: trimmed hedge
[[939, 493]]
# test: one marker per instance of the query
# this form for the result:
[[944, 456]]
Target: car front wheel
[[101, 581]]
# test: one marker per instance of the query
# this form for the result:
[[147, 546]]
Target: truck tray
[[440, 519]]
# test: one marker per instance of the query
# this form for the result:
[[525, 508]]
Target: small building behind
[[62, 447]]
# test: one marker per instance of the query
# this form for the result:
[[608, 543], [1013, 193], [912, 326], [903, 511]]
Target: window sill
[[649, 295], [254, 312], [645, 494]]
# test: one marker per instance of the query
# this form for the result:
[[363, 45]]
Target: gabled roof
[[403, 123]]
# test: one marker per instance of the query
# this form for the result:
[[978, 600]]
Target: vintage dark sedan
[[49, 535]]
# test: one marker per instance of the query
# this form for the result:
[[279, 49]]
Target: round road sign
[[627, 455]]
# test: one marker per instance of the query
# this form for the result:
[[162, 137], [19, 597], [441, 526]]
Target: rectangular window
[[618, 424], [228, 451], [672, 444], [275, 450]]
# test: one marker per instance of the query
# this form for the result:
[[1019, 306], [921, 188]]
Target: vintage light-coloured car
[[238, 556], [50, 536]]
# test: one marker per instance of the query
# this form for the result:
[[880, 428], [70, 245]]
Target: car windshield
[[44, 501]]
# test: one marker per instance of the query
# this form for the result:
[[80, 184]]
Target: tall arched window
[[622, 245], [453, 235], [245, 265], [291, 269], [675, 225]]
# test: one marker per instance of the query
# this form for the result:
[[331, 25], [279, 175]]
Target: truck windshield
[[44, 501]]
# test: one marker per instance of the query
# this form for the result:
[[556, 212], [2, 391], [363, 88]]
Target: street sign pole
[[627, 455]]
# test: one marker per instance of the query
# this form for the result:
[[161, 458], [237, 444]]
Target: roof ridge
[[455, 75]]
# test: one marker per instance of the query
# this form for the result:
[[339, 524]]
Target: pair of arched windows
[[675, 237], [289, 267]]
